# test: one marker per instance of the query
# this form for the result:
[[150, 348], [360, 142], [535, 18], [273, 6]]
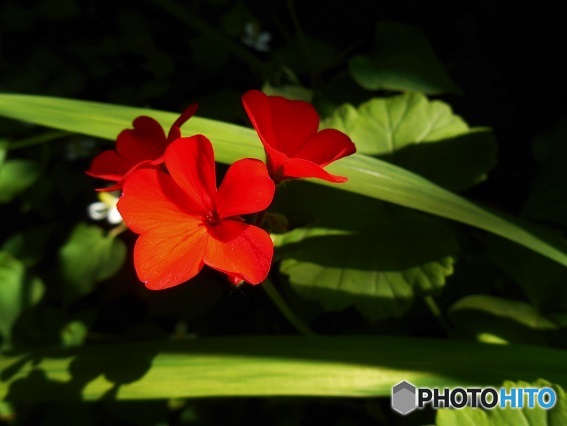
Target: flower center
[[212, 218]]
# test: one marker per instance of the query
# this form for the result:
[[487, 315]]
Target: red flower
[[184, 222], [288, 130], [140, 147]]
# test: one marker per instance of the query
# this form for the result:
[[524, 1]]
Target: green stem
[[434, 308], [202, 27], [293, 319], [302, 42], [117, 230], [36, 140]]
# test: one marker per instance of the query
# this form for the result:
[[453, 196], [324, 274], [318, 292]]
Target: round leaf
[[18, 292], [378, 271], [88, 257], [420, 135], [15, 177]]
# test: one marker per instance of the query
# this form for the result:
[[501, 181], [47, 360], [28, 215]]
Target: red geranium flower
[[184, 222], [140, 147], [288, 130]]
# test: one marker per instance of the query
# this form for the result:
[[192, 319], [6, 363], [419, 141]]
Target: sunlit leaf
[[420, 135], [364, 366], [378, 270]]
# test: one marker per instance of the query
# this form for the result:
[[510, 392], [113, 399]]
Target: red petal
[[108, 165], [240, 250], [191, 163], [175, 131], [142, 165], [172, 245], [246, 188], [300, 168], [284, 124], [325, 147], [151, 199], [170, 255], [146, 141], [234, 280]]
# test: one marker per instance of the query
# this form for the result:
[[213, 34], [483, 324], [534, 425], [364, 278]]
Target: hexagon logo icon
[[404, 398]]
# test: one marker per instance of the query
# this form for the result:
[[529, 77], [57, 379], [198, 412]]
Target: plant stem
[[293, 319], [434, 308], [117, 230], [302, 42], [36, 140]]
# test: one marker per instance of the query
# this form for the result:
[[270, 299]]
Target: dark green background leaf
[[547, 201], [87, 258], [16, 176], [19, 291], [404, 60]]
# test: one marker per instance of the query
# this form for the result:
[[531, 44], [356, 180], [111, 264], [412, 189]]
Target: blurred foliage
[[404, 60], [346, 264]]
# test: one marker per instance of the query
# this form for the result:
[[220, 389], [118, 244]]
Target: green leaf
[[514, 310], [234, 19], [404, 60], [377, 270], [29, 245], [18, 292], [420, 135], [496, 319], [16, 176], [3, 151], [542, 280], [73, 334], [88, 257], [364, 366], [367, 176], [547, 201], [288, 91], [555, 416]]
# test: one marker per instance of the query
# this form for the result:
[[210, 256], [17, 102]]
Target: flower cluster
[[170, 197]]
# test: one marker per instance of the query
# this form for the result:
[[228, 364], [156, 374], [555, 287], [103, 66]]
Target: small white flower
[[255, 38], [97, 210], [105, 208]]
